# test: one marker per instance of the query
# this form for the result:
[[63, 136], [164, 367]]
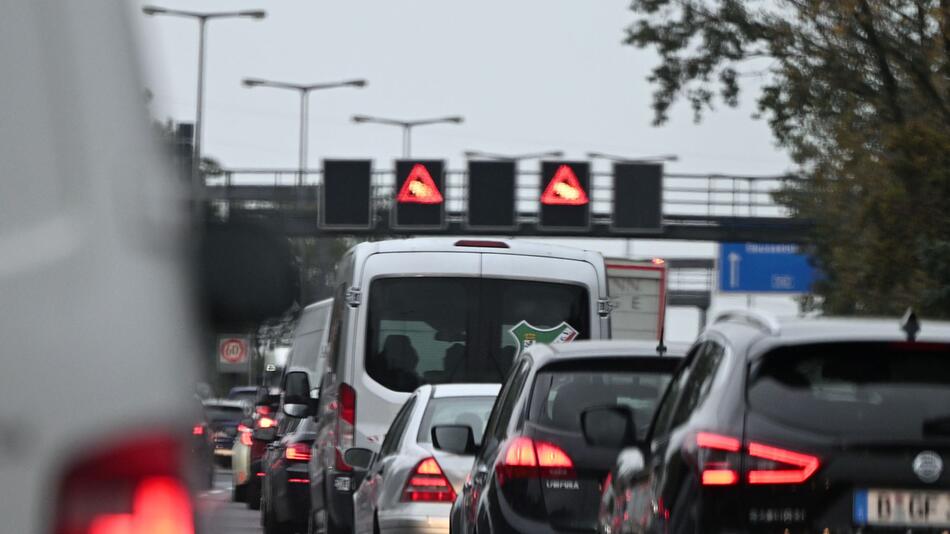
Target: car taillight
[[297, 452], [719, 458], [772, 465], [262, 410], [528, 458], [244, 434], [133, 488], [265, 422], [198, 430], [346, 424], [428, 483]]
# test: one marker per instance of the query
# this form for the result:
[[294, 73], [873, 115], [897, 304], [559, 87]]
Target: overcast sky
[[527, 75]]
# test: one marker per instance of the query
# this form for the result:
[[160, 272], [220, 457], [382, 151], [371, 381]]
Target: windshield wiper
[[938, 426]]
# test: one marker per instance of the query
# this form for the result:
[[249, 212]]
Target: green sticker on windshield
[[526, 334]]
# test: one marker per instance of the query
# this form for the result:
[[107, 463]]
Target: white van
[[435, 311]]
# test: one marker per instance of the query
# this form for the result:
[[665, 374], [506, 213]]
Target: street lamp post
[[407, 127], [470, 154], [202, 18], [621, 159], [304, 90]]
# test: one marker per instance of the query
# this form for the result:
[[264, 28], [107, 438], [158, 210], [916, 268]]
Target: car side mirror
[[359, 458], [609, 426], [456, 439], [265, 434], [297, 394]]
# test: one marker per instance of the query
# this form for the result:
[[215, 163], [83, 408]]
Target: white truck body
[[637, 290]]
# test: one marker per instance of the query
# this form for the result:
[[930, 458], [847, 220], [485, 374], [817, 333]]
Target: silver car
[[409, 484]]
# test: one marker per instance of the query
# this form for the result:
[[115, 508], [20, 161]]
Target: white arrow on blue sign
[[764, 268]]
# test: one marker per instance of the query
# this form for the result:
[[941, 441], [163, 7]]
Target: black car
[[536, 471], [223, 417], [285, 491], [798, 426]]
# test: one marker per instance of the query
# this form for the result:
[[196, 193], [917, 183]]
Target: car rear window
[[224, 413], [853, 390], [471, 411], [436, 330], [562, 393]]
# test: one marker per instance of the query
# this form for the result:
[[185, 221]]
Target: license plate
[[905, 508]]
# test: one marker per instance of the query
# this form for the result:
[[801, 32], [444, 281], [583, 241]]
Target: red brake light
[[348, 404], [718, 459], [131, 489], [428, 483], [262, 410], [265, 422], [803, 465], [528, 458], [246, 436], [481, 243], [198, 430], [298, 452]]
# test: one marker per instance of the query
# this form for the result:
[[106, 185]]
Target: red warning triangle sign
[[419, 188], [564, 189]]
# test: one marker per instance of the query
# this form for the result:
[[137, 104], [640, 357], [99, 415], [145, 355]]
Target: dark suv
[[826, 425], [535, 471]]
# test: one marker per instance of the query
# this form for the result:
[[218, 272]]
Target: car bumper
[[413, 524], [291, 494]]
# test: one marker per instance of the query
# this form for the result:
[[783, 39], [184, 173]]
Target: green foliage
[[859, 92]]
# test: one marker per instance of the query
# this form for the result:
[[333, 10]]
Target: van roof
[[462, 244]]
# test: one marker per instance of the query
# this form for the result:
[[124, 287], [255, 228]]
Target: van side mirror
[[609, 426], [297, 394], [456, 439], [359, 458]]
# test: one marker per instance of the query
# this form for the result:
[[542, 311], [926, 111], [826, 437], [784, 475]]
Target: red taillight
[[428, 483], [297, 452], [528, 458], [719, 457], [198, 430], [262, 410], [348, 404], [131, 489], [775, 468], [245, 436], [265, 422]]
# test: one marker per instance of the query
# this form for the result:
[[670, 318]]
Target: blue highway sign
[[764, 268]]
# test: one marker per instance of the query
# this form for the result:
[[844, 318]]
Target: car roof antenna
[[910, 324], [661, 348]]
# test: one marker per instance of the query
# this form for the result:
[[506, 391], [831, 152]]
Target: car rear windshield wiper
[[938, 426]]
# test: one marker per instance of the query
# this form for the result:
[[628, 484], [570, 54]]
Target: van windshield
[[449, 330]]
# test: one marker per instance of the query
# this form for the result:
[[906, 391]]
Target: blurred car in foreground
[[285, 487], [828, 425], [410, 483], [555, 431], [99, 359], [224, 416]]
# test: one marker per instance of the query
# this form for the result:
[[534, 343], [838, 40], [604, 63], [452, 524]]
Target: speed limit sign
[[233, 352]]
